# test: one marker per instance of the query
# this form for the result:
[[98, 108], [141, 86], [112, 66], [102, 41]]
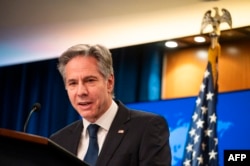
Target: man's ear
[[111, 83]]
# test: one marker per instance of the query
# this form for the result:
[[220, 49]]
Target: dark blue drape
[[23, 85], [138, 73], [137, 78]]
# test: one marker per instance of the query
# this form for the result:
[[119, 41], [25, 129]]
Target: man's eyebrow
[[90, 76], [87, 77], [71, 80]]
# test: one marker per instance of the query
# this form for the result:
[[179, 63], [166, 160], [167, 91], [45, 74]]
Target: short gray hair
[[99, 52]]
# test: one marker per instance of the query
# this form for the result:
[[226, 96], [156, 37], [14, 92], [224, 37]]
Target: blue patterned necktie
[[93, 149]]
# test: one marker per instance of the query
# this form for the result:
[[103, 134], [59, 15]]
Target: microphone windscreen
[[36, 106]]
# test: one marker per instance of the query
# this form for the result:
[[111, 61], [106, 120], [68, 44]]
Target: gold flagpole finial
[[216, 20]]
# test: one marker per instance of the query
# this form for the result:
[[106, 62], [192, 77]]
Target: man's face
[[89, 93]]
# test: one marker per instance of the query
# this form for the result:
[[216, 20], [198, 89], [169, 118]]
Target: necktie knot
[[92, 129]]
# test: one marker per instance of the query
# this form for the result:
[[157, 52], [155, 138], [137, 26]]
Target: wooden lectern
[[18, 148]]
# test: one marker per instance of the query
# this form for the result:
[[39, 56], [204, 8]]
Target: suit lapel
[[115, 135], [75, 136]]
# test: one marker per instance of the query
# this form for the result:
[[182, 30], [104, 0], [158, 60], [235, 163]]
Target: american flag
[[202, 143]]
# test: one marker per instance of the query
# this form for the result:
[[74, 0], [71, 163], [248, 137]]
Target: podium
[[18, 148]]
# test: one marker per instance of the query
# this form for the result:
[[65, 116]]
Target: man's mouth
[[84, 105]]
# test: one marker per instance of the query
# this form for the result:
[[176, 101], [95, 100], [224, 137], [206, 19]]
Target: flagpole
[[214, 52], [202, 142]]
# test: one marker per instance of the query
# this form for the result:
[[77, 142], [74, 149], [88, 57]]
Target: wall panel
[[183, 69]]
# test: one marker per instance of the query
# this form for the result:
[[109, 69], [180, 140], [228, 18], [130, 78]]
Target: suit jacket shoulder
[[136, 138]]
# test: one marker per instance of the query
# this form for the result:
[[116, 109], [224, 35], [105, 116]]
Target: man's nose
[[82, 90]]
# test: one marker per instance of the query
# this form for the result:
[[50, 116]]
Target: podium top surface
[[23, 136]]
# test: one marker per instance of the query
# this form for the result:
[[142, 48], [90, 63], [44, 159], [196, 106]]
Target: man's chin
[[88, 116]]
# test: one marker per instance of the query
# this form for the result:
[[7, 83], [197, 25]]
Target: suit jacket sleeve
[[155, 149]]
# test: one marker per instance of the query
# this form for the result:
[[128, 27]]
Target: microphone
[[35, 107]]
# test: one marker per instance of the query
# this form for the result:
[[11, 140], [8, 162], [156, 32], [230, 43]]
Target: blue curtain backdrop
[[137, 74]]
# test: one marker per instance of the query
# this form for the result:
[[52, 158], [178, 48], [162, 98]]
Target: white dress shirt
[[104, 122]]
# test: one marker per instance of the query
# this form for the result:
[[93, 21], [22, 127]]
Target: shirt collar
[[105, 120]]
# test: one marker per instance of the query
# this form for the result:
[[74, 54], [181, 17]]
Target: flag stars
[[200, 160], [210, 96], [198, 101], [195, 116], [212, 118], [187, 162], [196, 138], [204, 110], [206, 74], [192, 132], [203, 146], [189, 148], [202, 87], [193, 154], [216, 141], [208, 132], [199, 123], [212, 155]]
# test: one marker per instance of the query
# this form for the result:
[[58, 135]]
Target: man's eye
[[72, 83], [90, 80]]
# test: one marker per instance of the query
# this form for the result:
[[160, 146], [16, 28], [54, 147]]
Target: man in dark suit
[[123, 137]]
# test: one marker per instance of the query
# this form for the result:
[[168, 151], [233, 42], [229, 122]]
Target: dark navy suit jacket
[[143, 142]]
